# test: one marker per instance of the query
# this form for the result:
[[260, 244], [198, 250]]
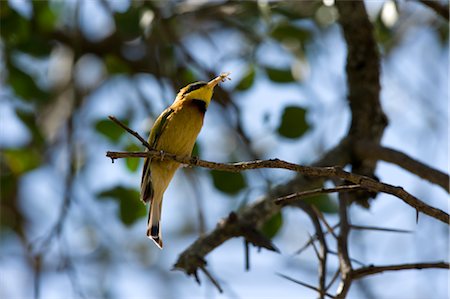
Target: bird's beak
[[221, 78]]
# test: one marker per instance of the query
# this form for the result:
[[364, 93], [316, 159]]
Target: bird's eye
[[195, 86]]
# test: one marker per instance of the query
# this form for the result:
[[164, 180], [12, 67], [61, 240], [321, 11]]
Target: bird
[[174, 131]]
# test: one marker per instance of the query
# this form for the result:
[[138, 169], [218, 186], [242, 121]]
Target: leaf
[[45, 16], [248, 79], [23, 85], [130, 208], [110, 130], [29, 119], [127, 22], [273, 225], [323, 202], [284, 31], [280, 75], [115, 65], [228, 182], [15, 28], [132, 163], [21, 160], [293, 122]]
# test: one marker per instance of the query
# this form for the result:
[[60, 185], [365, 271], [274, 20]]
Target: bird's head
[[201, 90]]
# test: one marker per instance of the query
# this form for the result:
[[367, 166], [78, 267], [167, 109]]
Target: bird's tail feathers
[[146, 183], [153, 225]]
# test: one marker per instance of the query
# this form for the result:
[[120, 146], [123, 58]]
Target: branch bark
[[363, 80], [372, 151], [437, 7], [309, 171], [366, 271]]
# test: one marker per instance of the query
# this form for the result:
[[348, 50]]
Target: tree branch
[[362, 272], [363, 80], [134, 133], [372, 151], [345, 264], [437, 7], [309, 171], [300, 195]]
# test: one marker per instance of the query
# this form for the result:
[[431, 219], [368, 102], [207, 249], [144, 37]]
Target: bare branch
[[134, 133], [362, 272], [363, 80], [327, 225], [345, 264], [303, 194], [437, 7], [311, 171], [322, 255], [372, 151]]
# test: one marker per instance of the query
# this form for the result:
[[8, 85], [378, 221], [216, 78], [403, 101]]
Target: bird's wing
[[155, 134]]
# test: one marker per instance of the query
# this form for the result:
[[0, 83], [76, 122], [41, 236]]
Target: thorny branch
[[370, 270], [311, 171], [371, 151]]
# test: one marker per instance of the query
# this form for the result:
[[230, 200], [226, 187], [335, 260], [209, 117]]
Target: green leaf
[[323, 202], [21, 160], [110, 130], [280, 75], [284, 31], [273, 225], [115, 65], [248, 80], [127, 23], [132, 163], [130, 208], [24, 86], [15, 28], [228, 182], [45, 16], [293, 122], [29, 120]]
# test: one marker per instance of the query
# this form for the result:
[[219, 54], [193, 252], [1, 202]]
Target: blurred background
[[72, 225]]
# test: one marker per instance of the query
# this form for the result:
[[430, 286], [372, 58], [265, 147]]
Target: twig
[[303, 194], [327, 225], [362, 272], [314, 238], [322, 256], [304, 284], [345, 264], [134, 133], [333, 279]]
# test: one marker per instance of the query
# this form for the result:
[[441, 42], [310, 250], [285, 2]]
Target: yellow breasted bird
[[175, 132]]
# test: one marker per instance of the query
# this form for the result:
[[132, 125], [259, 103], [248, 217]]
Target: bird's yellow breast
[[183, 127]]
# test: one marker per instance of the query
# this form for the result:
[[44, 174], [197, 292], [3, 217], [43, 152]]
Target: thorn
[[212, 279], [197, 279], [247, 255]]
